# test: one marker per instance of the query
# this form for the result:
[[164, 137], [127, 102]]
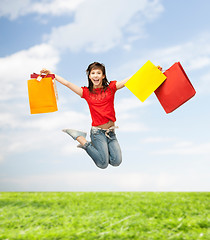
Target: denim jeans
[[104, 148]]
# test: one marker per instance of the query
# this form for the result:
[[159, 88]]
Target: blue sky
[[161, 152]]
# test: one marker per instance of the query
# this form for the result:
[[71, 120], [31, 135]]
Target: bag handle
[[45, 75], [39, 78]]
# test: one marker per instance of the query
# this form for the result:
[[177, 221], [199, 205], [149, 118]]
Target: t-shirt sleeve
[[84, 92], [112, 85]]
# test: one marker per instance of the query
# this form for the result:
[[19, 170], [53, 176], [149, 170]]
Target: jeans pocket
[[94, 131], [112, 135]]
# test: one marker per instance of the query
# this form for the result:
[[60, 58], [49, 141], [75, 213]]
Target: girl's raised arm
[[121, 84], [72, 86]]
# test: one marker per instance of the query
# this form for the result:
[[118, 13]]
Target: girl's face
[[96, 76]]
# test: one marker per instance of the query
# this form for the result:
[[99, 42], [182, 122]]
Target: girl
[[104, 148]]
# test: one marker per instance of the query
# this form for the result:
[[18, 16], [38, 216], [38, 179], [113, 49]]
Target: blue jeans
[[104, 149]]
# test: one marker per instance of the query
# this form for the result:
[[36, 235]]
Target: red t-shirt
[[101, 104]]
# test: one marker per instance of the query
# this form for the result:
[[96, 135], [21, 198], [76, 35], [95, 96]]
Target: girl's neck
[[97, 86]]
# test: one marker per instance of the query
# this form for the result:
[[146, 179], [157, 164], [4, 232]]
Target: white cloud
[[133, 126], [107, 181], [1, 158], [47, 122], [13, 8], [61, 119], [28, 133], [126, 104], [186, 148], [16, 8], [194, 56], [101, 25], [127, 117], [204, 84], [55, 7], [157, 139], [16, 69], [98, 25]]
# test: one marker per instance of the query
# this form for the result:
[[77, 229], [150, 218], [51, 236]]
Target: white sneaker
[[80, 146], [74, 133]]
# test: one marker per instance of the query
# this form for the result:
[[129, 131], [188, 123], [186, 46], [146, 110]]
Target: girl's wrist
[[56, 77]]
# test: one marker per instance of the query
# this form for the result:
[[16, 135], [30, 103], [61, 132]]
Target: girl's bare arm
[[72, 86], [121, 84]]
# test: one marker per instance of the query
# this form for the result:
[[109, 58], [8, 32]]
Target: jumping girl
[[104, 148]]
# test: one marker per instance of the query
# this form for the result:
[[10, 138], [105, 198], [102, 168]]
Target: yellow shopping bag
[[145, 81], [42, 98]]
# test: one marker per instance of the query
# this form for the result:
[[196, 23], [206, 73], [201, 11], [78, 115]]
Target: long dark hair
[[105, 82]]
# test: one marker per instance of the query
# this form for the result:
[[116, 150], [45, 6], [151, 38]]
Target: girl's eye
[[99, 73]]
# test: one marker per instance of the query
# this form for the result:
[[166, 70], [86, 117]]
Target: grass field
[[122, 216]]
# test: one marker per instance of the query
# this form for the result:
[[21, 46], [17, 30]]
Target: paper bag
[[176, 90], [41, 94], [145, 81]]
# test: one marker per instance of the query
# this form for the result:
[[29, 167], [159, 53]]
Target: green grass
[[122, 216]]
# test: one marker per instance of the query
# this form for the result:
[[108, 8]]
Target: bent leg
[[82, 140], [97, 149], [115, 154]]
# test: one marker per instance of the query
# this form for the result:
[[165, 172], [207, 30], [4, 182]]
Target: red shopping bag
[[176, 90]]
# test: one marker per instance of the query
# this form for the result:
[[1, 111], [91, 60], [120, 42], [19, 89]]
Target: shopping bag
[[41, 94], [145, 81], [35, 75], [176, 90]]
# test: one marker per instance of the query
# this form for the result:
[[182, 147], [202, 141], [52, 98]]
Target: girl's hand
[[45, 71], [160, 68]]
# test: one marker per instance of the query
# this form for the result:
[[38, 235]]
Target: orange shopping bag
[[42, 98]]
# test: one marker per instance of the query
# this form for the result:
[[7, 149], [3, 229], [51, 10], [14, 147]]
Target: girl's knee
[[102, 162], [102, 166], [116, 162]]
